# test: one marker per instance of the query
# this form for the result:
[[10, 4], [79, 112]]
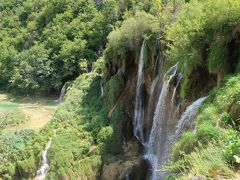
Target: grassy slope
[[20, 143], [214, 149], [82, 136], [83, 133]]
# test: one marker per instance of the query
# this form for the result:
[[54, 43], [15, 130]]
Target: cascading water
[[102, 89], [152, 103], [158, 145], [166, 129], [179, 79], [62, 94], [139, 109], [186, 120], [42, 171]]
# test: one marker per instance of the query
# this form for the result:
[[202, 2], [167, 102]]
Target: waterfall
[[102, 89], [126, 176], [62, 94], [187, 117], [158, 144], [166, 127], [179, 79], [139, 109], [154, 93], [42, 171]]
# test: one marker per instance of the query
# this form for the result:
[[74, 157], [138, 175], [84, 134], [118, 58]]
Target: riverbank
[[38, 111]]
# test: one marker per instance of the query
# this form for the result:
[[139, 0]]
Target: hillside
[[150, 90]]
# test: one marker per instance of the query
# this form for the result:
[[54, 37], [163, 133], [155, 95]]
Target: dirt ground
[[39, 110]]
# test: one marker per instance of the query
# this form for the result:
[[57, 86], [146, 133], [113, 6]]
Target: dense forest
[[151, 89]]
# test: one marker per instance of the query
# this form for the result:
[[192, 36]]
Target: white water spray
[[139, 109], [186, 120], [158, 146], [102, 89], [42, 171], [62, 94]]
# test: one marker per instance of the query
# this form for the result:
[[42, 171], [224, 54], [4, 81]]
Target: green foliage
[[114, 87], [26, 167], [130, 35], [185, 145], [12, 118], [43, 42], [99, 65], [208, 113], [32, 70], [203, 36], [209, 161], [104, 134], [83, 133], [217, 58], [214, 147], [232, 148], [18, 153], [207, 132]]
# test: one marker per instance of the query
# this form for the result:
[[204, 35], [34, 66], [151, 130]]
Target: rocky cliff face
[[130, 159], [131, 164]]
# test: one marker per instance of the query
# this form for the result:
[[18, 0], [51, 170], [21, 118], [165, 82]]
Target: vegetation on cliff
[[95, 48], [213, 148]]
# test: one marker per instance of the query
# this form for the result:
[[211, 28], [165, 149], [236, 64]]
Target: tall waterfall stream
[[62, 94], [42, 171], [139, 109]]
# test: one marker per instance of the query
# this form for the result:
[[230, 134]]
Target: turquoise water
[[7, 106]]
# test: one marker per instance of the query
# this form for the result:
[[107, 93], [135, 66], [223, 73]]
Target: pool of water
[[7, 106]]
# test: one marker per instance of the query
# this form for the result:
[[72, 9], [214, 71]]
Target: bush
[[201, 37], [12, 118], [104, 134], [206, 133], [209, 161], [185, 145], [27, 168], [131, 34], [232, 147], [209, 114]]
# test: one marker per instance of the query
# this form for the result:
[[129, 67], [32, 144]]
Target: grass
[[210, 161], [218, 121], [21, 140]]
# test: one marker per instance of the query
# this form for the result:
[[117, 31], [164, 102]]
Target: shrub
[[27, 167], [232, 147], [201, 36], [131, 33], [12, 118], [206, 133], [185, 145], [113, 88], [209, 161], [104, 134]]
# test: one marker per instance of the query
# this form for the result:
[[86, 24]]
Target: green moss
[[217, 58], [114, 88]]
